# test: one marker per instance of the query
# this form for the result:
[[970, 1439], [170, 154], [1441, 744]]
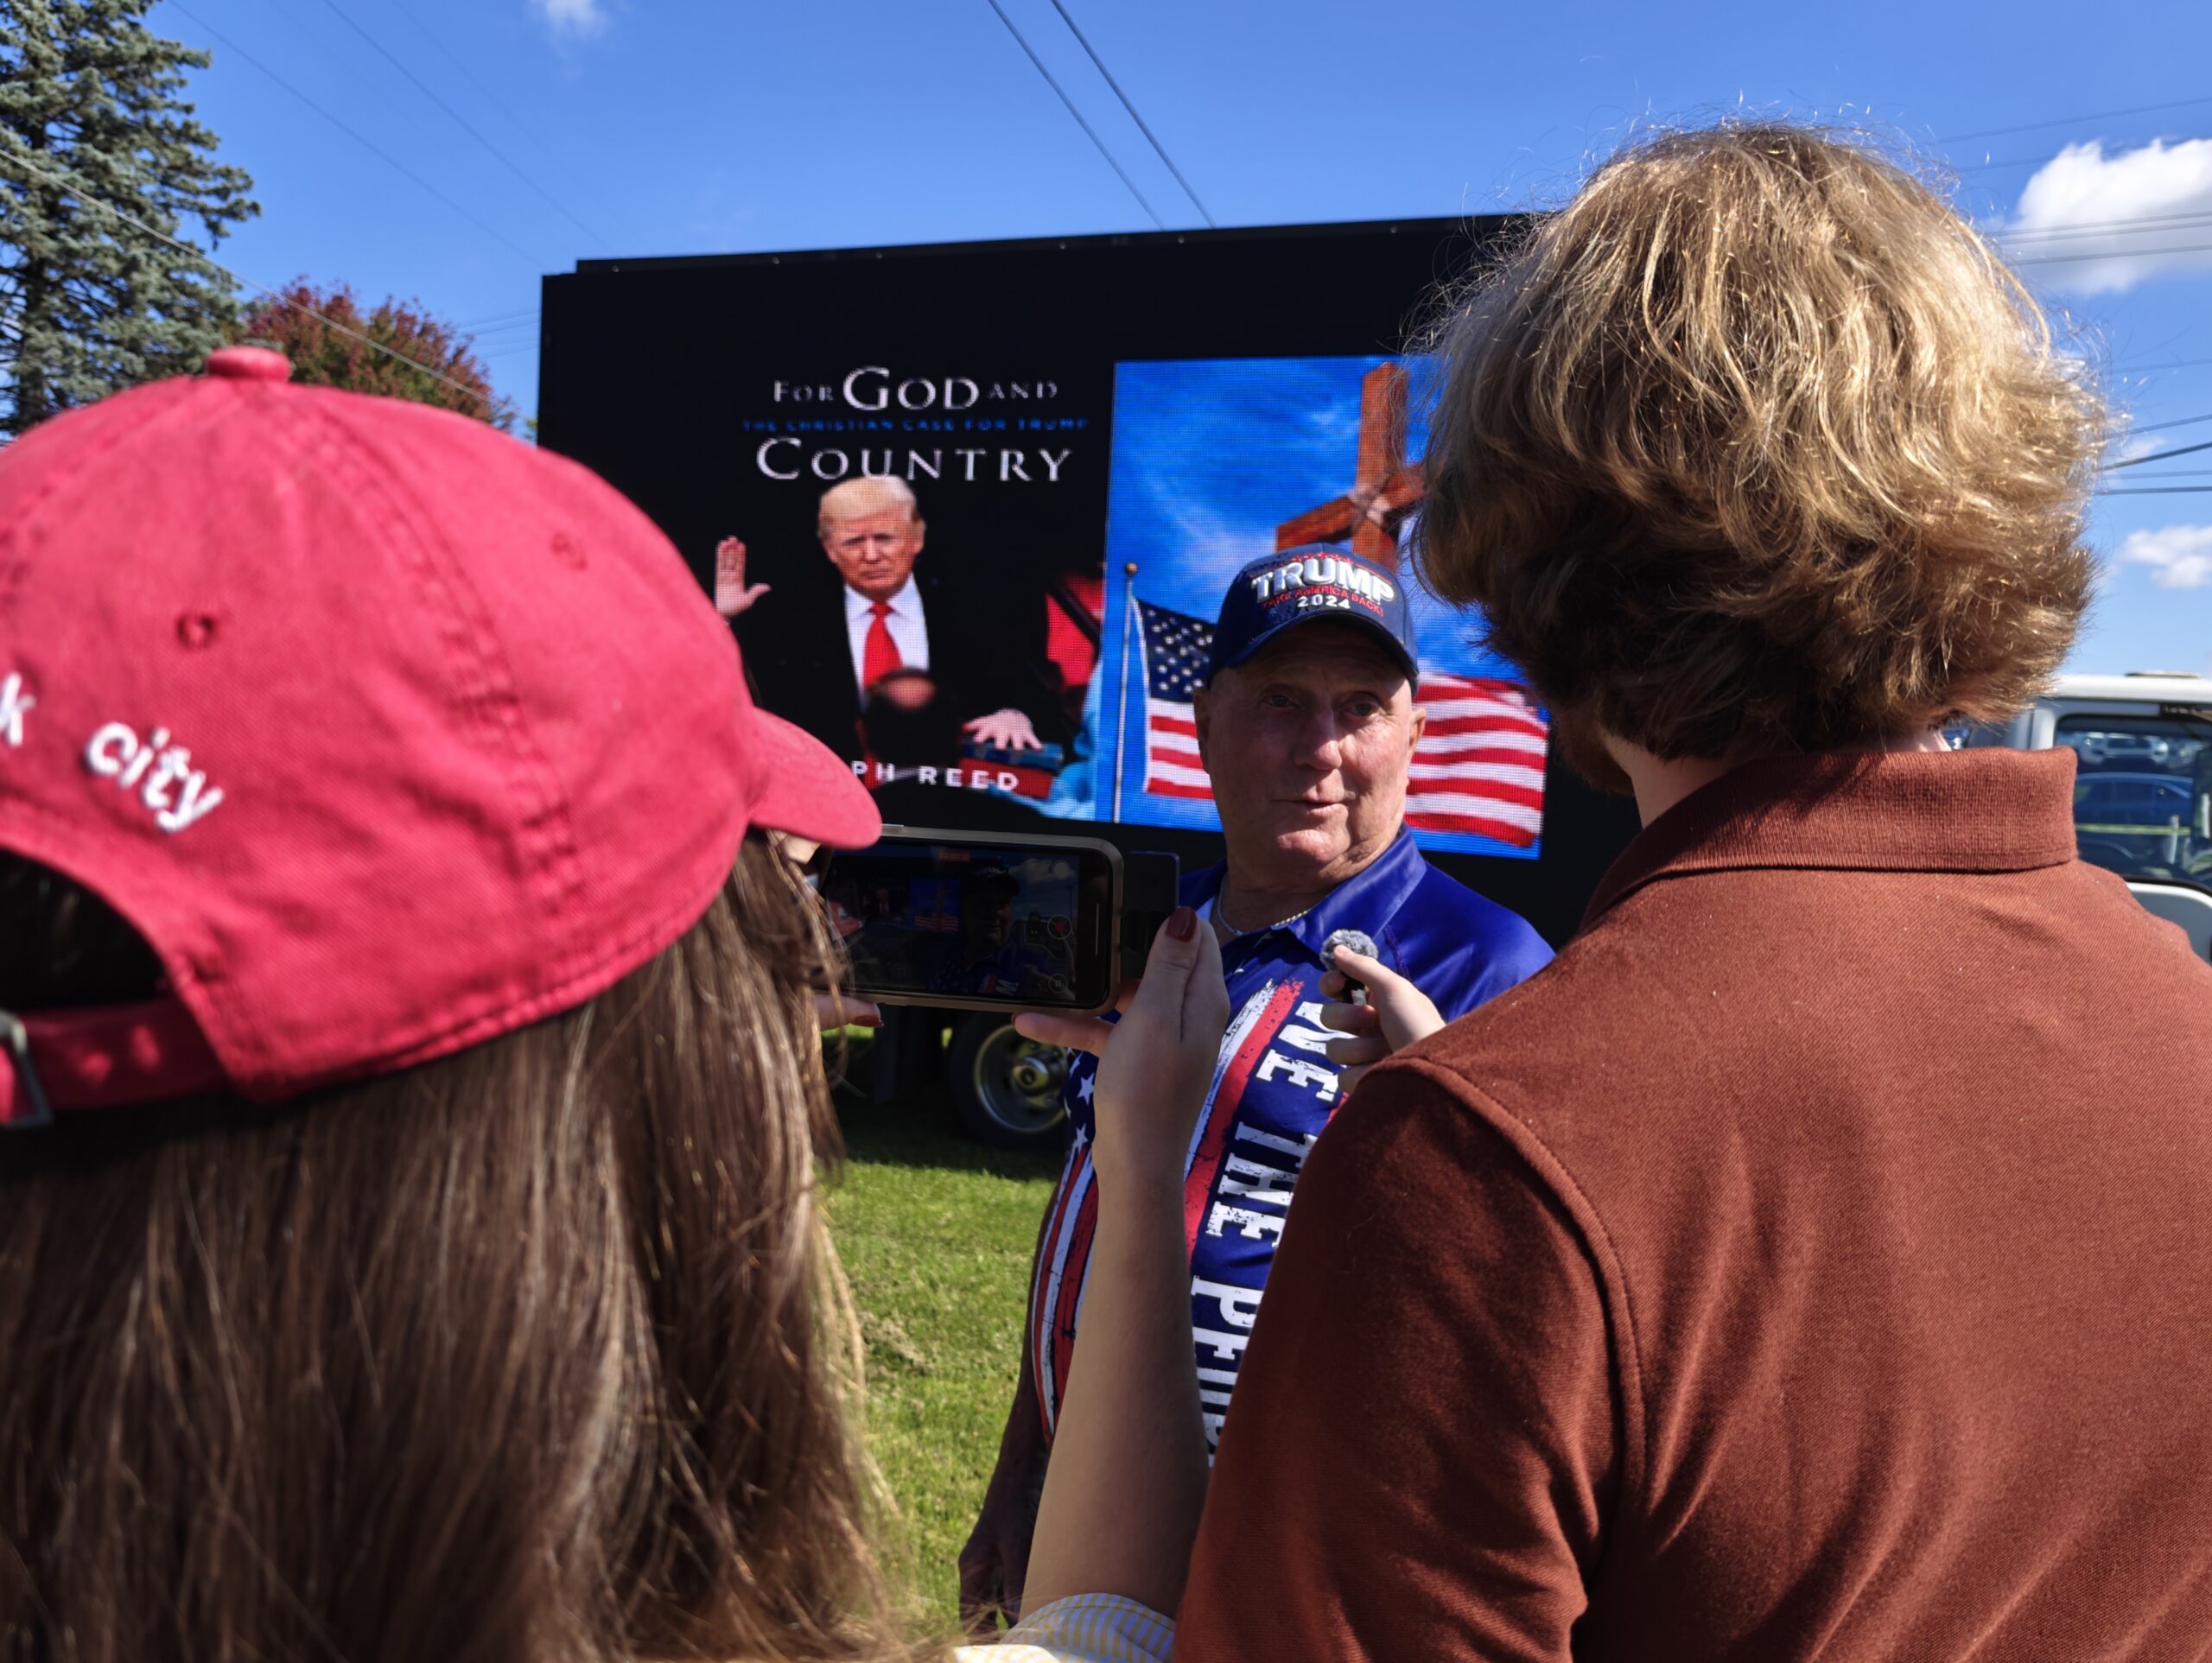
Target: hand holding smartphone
[[987, 921]]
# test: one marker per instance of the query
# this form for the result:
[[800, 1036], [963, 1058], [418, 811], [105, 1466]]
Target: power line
[[2182, 421], [2159, 491], [69, 185], [2113, 254], [2070, 121], [504, 317], [368, 145], [1159, 149], [2149, 222], [466, 126], [2161, 455], [2038, 161], [468, 75], [1089, 132]]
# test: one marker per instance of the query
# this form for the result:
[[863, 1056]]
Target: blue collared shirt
[[1274, 1090]]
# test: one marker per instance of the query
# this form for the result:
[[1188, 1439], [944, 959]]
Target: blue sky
[[1210, 456], [692, 126]]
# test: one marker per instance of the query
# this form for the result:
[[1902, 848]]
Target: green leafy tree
[[100, 161], [332, 343]]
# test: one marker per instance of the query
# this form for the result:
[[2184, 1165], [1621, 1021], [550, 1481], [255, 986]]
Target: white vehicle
[[2142, 796]]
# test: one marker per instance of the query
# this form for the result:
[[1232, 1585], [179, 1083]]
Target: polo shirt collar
[[1982, 811], [1367, 900]]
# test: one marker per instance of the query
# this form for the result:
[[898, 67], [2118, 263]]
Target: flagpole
[[1121, 701]]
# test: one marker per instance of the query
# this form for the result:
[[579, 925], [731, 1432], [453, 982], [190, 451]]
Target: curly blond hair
[[1757, 446]]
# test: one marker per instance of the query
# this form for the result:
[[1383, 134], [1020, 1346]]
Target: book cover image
[[1215, 462], [920, 544]]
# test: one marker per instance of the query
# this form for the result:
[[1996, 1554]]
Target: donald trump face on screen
[[872, 532]]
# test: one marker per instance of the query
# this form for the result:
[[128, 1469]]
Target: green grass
[[936, 1234]]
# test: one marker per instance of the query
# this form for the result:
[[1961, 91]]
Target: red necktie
[[879, 653]]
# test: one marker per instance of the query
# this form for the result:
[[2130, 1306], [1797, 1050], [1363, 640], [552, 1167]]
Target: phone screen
[[1026, 926]]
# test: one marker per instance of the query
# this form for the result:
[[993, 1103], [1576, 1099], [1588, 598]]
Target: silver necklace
[[1222, 913]]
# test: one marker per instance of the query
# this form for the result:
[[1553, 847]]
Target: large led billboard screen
[[996, 492]]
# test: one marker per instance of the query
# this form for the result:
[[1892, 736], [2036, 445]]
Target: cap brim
[[1378, 632], [807, 790]]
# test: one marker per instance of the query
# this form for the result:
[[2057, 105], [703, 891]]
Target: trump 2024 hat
[[1316, 584], [388, 733]]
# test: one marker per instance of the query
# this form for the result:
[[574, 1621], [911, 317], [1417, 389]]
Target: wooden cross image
[[1384, 486]]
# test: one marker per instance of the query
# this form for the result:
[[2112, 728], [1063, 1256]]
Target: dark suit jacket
[[987, 652]]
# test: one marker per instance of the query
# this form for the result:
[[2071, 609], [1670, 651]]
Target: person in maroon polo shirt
[[1812, 1261]]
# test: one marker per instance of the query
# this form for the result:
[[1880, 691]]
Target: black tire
[[1005, 1088]]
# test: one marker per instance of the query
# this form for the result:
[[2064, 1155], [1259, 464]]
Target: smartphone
[[994, 922]]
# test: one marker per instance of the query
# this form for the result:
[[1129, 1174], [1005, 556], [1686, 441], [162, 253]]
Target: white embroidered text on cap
[[152, 767], [14, 704]]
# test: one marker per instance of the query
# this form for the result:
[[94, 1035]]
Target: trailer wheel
[[1006, 1089]]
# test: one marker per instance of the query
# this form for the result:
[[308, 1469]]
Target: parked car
[[2123, 750], [2143, 802], [2126, 823]]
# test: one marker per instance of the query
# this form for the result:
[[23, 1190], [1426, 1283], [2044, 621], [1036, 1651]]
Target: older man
[[1306, 725], [815, 658]]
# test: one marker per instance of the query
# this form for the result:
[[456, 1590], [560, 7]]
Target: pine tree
[[92, 130]]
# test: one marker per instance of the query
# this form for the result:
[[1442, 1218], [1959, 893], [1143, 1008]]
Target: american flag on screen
[[1175, 648], [1479, 768]]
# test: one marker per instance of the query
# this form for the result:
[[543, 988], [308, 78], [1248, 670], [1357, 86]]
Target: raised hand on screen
[[732, 595]]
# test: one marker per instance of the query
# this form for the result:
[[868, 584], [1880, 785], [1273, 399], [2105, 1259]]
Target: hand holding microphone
[[1381, 1010], [1355, 941]]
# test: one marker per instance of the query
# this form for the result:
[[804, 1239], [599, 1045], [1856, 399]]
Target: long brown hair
[[531, 1353]]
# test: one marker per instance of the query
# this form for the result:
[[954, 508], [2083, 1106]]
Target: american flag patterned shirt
[[1273, 1092], [1082, 1629]]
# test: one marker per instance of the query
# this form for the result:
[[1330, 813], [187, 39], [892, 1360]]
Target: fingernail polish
[[1183, 923]]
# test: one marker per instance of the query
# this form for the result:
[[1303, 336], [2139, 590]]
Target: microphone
[[1359, 941]]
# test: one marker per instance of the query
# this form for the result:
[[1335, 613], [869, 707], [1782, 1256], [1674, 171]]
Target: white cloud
[[571, 19], [2116, 219], [2180, 556]]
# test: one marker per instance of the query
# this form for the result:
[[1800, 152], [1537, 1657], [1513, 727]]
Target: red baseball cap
[[388, 733]]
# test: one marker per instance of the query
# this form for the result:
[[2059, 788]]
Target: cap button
[[249, 364]]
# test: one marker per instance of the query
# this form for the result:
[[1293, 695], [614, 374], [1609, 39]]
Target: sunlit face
[[1308, 745], [874, 552]]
